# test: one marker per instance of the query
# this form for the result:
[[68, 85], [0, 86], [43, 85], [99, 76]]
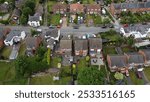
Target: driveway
[[14, 52], [64, 24]]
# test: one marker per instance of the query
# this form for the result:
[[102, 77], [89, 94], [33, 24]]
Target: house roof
[[135, 58], [52, 33], [17, 12], [81, 44], [59, 6], [1, 33], [118, 60], [12, 34], [132, 5], [76, 6], [39, 11], [147, 53], [65, 44], [34, 18], [4, 7], [95, 43], [31, 42], [93, 6], [50, 43], [19, 2]]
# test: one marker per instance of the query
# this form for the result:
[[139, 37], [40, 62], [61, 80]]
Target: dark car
[[104, 26], [139, 75], [76, 27]]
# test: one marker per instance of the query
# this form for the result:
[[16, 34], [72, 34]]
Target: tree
[[27, 11], [118, 76], [90, 76], [23, 20], [48, 56]]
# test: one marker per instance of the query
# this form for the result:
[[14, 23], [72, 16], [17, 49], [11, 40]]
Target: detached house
[[32, 43], [146, 54], [135, 60], [15, 16], [4, 8], [3, 33], [14, 36], [77, 8], [133, 7], [36, 19], [19, 3], [93, 9], [95, 46], [117, 63], [60, 8], [81, 47]]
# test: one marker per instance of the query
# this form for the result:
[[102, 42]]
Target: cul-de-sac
[[75, 42]]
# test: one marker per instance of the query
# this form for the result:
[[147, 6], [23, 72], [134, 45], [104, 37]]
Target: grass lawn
[[147, 73], [48, 80], [128, 49], [82, 63], [6, 52], [109, 50], [55, 19], [22, 50], [135, 80], [88, 1]]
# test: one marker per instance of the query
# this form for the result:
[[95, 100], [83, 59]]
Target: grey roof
[[34, 18], [4, 7], [135, 58], [132, 5], [1, 33], [31, 42], [147, 53], [95, 43], [52, 33], [118, 60], [50, 43], [12, 34], [81, 44], [16, 12], [39, 11], [66, 44]]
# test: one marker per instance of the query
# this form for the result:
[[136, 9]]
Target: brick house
[[81, 47], [60, 8], [93, 9], [135, 60], [133, 7], [146, 54], [117, 63], [76, 8], [19, 3], [95, 46], [32, 43]]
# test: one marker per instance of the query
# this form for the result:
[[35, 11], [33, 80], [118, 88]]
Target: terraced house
[[117, 8], [60, 8]]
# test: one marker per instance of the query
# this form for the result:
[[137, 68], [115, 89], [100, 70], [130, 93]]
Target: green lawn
[[50, 4], [135, 80], [128, 49], [22, 50], [88, 1], [6, 52], [48, 80], [55, 19], [109, 50], [147, 73], [55, 61]]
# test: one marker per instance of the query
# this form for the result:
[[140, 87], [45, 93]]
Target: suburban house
[[95, 46], [51, 43], [65, 47], [77, 8], [4, 8], [32, 43], [53, 34], [135, 31], [81, 47], [14, 36], [93, 9], [117, 8], [15, 16], [19, 3], [3, 33], [146, 54], [60, 8], [117, 63], [135, 60]]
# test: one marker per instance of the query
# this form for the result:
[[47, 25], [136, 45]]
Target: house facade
[[14, 36], [117, 63], [34, 21], [81, 47], [93, 9], [60, 8], [133, 7]]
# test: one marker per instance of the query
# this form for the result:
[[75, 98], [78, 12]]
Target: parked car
[[104, 26], [76, 27]]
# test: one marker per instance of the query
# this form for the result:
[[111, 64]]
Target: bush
[[4, 22]]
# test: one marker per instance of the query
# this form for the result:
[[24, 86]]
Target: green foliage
[[87, 58], [4, 22], [34, 32], [48, 56], [23, 20], [31, 4], [90, 76], [118, 76], [27, 11]]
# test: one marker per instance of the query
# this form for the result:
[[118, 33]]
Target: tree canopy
[[90, 76]]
